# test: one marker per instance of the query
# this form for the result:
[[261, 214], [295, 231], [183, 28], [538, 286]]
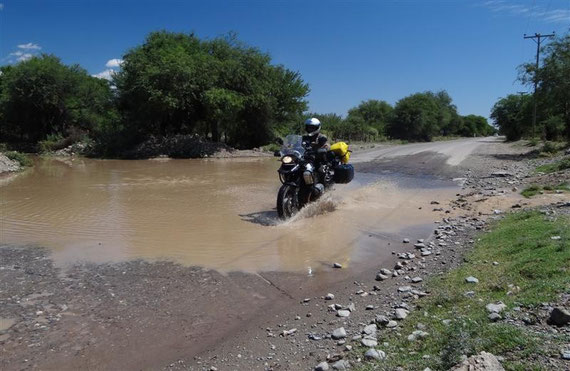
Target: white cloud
[[24, 57], [114, 63], [537, 11], [29, 46], [17, 53], [107, 74]]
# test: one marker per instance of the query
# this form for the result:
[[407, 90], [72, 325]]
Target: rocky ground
[[7, 165], [160, 315]]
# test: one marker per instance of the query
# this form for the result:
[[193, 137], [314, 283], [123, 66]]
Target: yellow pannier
[[341, 150]]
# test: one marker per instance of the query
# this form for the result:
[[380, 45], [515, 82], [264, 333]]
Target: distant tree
[[416, 117], [553, 93], [474, 125], [513, 116], [176, 83], [42, 96], [371, 114]]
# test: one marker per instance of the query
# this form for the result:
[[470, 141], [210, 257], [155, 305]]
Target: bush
[[21, 158]]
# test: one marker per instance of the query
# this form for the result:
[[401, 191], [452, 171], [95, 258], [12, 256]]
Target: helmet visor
[[311, 128]]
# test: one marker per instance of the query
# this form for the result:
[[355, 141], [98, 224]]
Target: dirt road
[[153, 315]]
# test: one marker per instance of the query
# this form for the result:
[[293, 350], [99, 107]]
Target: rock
[[406, 240], [382, 320], [323, 366], [426, 253], [401, 313], [369, 342], [446, 322], [471, 279], [351, 307], [339, 333], [392, 324], [329, 296], [369, 330], [381, 277], [496, 308], [420, 245], [470, 294], [289, 332], [418, 334], [385, 271], [417, 279], [501, 174], [495, 317], [555, 238], [348, 348], [341, 365], [559, 317], [343, 313], [370, 307], [375, 354], [565, 354], [482, 362], [337, 265], [405, 289]]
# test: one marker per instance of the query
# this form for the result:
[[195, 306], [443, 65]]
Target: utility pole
[[536, 38]]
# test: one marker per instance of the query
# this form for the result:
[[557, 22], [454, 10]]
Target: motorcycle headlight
[[287, 159]]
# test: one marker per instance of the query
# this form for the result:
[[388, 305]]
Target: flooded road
[[217, 213]]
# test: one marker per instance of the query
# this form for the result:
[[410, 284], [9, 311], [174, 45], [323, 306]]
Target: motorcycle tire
[[287, 201]]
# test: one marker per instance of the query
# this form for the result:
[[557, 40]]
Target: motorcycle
[[305, 173]]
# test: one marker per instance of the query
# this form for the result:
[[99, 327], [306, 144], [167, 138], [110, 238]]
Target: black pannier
[[343, 173]]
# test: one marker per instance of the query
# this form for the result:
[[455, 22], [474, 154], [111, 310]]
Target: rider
[[317, 142]]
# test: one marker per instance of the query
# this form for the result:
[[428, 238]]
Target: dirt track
[[139, 315]]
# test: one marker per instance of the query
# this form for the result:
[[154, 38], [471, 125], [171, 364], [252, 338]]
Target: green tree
[[371, 117], [416, 117], [513, 116], [553, 91], [42, 96]]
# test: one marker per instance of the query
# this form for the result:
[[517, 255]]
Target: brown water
[[214, 213]]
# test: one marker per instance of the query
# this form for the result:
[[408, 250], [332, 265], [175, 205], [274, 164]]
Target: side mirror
[[277, 153]]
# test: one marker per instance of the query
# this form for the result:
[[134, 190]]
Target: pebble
[[495, 317], [382, 320], [392, 324], [337, 265], [370, 307], [565, 354], [406, 240], [369, 330], [369, 342], [341, 365], [401, 313], [471, 279], [329, 296], [381, 277], [323, 366], [339, 333], [559, 317], [404, 288], [375, 354], [343, 313], [417, 279], [351, 307], [495, 308], [385, 271], [418, 334]]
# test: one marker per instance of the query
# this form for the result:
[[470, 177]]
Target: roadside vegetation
[[560, 165], [535, 189], [518, 263], [513, 114], [23, 159], [177, 85]]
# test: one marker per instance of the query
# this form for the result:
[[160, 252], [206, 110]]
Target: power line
[[536, 38]]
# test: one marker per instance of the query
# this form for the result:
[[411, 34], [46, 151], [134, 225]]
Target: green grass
[[22, 158], [555, 166], [528, 259], [535, 189]]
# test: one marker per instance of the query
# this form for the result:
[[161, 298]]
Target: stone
[[559, 317], [369, 342], [495, 307], [289, 332], [482, 362], [382, 320], [329, 296], [392, 324], [323, 366], [405, 289], [351, 307], [369, 330], [406, 240], [501, 174], [337, 265], [426, 253], [375, 354], [417, 279], [343, 313], [339, 333], [555, 238], [381, 277], [385, 271], [471, 279], [565, 354], [370, 307], [418, 334], [341, 365], [420, 245], [401, 313], [495, 317]]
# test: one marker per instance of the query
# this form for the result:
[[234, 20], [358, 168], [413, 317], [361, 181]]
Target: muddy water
[[214, 213]]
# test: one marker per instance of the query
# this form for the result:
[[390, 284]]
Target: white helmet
[[312, 126]]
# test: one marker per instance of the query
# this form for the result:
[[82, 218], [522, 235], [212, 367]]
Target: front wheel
[[287, 201]]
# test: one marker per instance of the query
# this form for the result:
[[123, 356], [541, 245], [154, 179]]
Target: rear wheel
[[287, 201]]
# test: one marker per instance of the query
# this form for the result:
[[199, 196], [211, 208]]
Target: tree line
[[220, 89], [513, 114]]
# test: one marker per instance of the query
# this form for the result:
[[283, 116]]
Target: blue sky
[[348, 51]]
